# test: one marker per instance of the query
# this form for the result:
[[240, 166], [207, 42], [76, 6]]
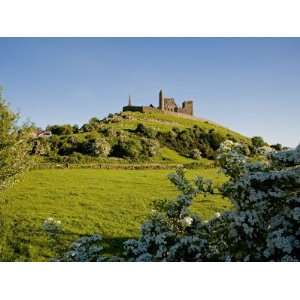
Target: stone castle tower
[[169, 104], [161, 104]]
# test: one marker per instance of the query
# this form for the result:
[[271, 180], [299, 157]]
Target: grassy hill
[[161, 121], [153, 137]]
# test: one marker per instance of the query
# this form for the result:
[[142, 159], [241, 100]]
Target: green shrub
[[195, 154], [96, 147], [75, 158], [127, 148], [109, 132], [148, 132], [258, 142], [41, 146], [277, 147], [75, 129], [60, 129], [150, 147], [192, 138]]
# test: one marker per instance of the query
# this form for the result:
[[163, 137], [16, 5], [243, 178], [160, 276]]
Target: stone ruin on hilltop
[[166, 104]]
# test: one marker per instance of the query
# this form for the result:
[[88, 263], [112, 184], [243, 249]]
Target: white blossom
[[217, 215], [188, 221]]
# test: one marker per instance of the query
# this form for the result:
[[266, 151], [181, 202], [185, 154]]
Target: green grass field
[[112, 203]]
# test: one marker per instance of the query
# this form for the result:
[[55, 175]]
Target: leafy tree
[[86, 128], [14, 160], [60, 129], [65, 148], [145, 131], [94, 124], [75, 128], [277, 147], [14, 145], [258, 142], [214, 139]]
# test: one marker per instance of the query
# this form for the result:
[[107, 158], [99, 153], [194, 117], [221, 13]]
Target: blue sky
[[250, 85]]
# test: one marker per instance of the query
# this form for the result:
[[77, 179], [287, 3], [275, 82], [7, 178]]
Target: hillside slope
[[152, 137], [161, 121]]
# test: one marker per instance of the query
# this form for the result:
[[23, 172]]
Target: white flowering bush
[[265, 150], [263, 226], [87, 248], [98, 147], [231, 158], [173, 233], [103, 147], [267, 199], [286, 158]]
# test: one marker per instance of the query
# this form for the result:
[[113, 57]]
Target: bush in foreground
[[14, 146]]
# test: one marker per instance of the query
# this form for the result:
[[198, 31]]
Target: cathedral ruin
[[165, 104]]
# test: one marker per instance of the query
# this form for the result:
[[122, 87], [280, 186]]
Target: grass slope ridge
[[150, 137], [161, 121]]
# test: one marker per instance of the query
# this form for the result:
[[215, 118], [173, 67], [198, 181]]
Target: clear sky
[[251, 85]]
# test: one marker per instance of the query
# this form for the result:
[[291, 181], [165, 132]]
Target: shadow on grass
[[114, 246]]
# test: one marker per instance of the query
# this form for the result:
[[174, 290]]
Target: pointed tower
[[161, 101], [129, 101]]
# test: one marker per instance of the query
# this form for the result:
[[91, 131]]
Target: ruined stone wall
[[133, 108], [170, 104], [149, 109], [139, 108], [187, 108]]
